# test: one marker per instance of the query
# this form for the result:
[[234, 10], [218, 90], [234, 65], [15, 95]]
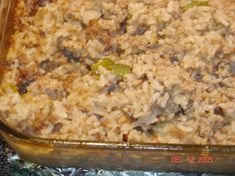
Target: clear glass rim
[[117, 145]]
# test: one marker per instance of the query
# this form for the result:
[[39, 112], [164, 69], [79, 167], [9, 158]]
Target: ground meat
[[144, 77], [22, 87], [232, 67], [111, 88], [119, 50], [24, 80], [218, 111], [57, 127], [174, 108], [218, 125], [174, 59], [180, 111], [55, 94], [197, 75], [65, 46], [48, 65], [156, 110], [33, 5], [150, 132], [139, 129], [221, 84], [70, 54], [98, 116], [123, 25], [141, 29]]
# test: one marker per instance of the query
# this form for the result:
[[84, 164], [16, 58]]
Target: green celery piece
[[121, 69], [106, 63], [194, 4], [5, 86], [129, 16]]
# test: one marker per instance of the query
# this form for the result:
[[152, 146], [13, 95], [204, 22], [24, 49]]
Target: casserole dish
[[110, 155]]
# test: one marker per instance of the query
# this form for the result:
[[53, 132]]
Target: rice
[[159, 71]]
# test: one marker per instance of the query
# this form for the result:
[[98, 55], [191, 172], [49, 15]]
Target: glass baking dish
[[109, 155]]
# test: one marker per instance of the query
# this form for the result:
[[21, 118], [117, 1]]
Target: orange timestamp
[[207, 159]]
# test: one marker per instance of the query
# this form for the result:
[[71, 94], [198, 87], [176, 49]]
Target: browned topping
[[25, 75], [32, 45], [95, 31], [33, 5], [117, 130], [125, 137], [39, 124], [178, 133]]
